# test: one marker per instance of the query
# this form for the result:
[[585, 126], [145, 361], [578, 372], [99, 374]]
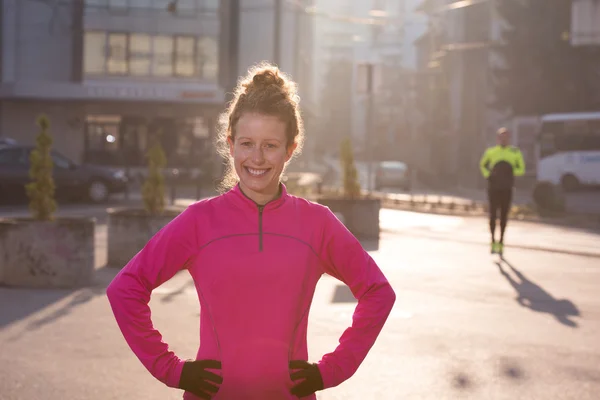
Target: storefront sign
[[165, 92]]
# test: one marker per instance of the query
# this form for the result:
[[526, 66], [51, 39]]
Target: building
[[112, 75], [281, 32], [359, 33], [585, 23], [455, 62]]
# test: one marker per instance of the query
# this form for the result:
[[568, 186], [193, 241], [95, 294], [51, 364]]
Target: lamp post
[[370, 78]]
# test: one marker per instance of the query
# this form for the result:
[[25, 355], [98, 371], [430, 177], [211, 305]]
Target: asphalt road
[[466, 325]]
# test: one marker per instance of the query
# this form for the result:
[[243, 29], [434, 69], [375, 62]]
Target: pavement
[[466, 325]]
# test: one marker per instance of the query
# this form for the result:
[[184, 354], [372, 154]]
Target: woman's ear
[[290, 151]]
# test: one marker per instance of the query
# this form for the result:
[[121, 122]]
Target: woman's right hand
[[197, 380]]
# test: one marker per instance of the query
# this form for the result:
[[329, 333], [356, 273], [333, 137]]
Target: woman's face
[[259, 152]]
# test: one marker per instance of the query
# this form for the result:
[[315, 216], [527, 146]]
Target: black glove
[[310, 375], [197, 380]]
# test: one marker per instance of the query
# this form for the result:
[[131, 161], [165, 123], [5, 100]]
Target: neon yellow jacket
[[496, 154]]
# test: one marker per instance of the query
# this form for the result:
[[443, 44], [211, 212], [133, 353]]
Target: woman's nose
[[257, 155]]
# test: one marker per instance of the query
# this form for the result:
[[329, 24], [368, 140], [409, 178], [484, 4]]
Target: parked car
[[6, 141], [392, 174], [72, 180]]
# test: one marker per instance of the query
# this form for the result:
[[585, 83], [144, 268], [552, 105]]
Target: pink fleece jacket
[[255, 269]]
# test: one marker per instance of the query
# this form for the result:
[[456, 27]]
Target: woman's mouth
[[257, 172]]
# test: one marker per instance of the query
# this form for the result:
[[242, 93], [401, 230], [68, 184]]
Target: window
[[117, 53], [94, 52], [140, 54], [161, 4], [184, 8], [184, 56], [95, 5], [187, 7], [61, 161], [209, 5], [163, 56], [140, 4], [117, 5], [207, 63]]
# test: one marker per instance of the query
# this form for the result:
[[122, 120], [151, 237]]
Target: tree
[[40, 191], [153, 190], [542, 72], [351, 184]]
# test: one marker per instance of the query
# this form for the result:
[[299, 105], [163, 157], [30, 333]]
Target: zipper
[[260, 230]]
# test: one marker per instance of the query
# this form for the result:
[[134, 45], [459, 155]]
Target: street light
[[375, 13]]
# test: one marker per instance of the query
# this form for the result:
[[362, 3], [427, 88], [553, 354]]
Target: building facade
[[112, 76]]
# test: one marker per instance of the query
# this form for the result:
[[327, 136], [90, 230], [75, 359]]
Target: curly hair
[[264, 90]]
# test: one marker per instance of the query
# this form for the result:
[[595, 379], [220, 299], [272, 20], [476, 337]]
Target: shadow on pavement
[[171, 296], [19, 303], [508, 369], [534, 297]]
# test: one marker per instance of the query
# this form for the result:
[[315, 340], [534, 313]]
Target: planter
[[53, 254], [129, 229], [361, 216]]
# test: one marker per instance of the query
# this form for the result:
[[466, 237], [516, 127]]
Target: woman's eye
[[271, 146], [247, 144]]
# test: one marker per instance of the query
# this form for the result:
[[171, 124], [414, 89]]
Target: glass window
[[207, 58], [140, 54], [117, 53], [576, 127], [209, 5], [184, 56], [140, 4], [60, 161], [187, 7], [95, 5], [117, 4], [162, 4], [595, 127], [163, 56], [94, 52]]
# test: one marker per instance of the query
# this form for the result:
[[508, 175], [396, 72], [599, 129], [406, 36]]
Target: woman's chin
[[260, 185]]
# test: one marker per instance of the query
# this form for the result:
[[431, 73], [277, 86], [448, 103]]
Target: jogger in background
[[499, 165]]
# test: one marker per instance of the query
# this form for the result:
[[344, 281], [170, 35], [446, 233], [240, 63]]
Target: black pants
[[499, 200]]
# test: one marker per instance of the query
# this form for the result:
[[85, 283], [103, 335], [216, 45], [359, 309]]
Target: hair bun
[[267, 78]]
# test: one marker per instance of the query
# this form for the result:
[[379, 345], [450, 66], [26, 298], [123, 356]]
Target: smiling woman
[[255, 301], [260, 132]]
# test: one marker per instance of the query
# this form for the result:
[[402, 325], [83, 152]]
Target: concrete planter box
[[41, 254], [129, 230], [361, 216]]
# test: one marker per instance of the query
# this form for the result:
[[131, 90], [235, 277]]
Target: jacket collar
[[240, 197]]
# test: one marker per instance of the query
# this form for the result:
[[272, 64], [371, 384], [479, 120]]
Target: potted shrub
[[360, 213], [129, 229], [45, 251]]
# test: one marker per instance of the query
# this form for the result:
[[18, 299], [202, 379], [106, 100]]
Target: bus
[[569, 150]]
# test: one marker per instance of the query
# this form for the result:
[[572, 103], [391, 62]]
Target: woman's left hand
[[310, 376]]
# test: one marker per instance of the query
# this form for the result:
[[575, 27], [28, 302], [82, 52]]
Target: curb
[[468, 208]]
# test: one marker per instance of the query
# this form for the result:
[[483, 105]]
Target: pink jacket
[[255, 270]]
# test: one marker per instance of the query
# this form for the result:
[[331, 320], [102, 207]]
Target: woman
[[255, 254]]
